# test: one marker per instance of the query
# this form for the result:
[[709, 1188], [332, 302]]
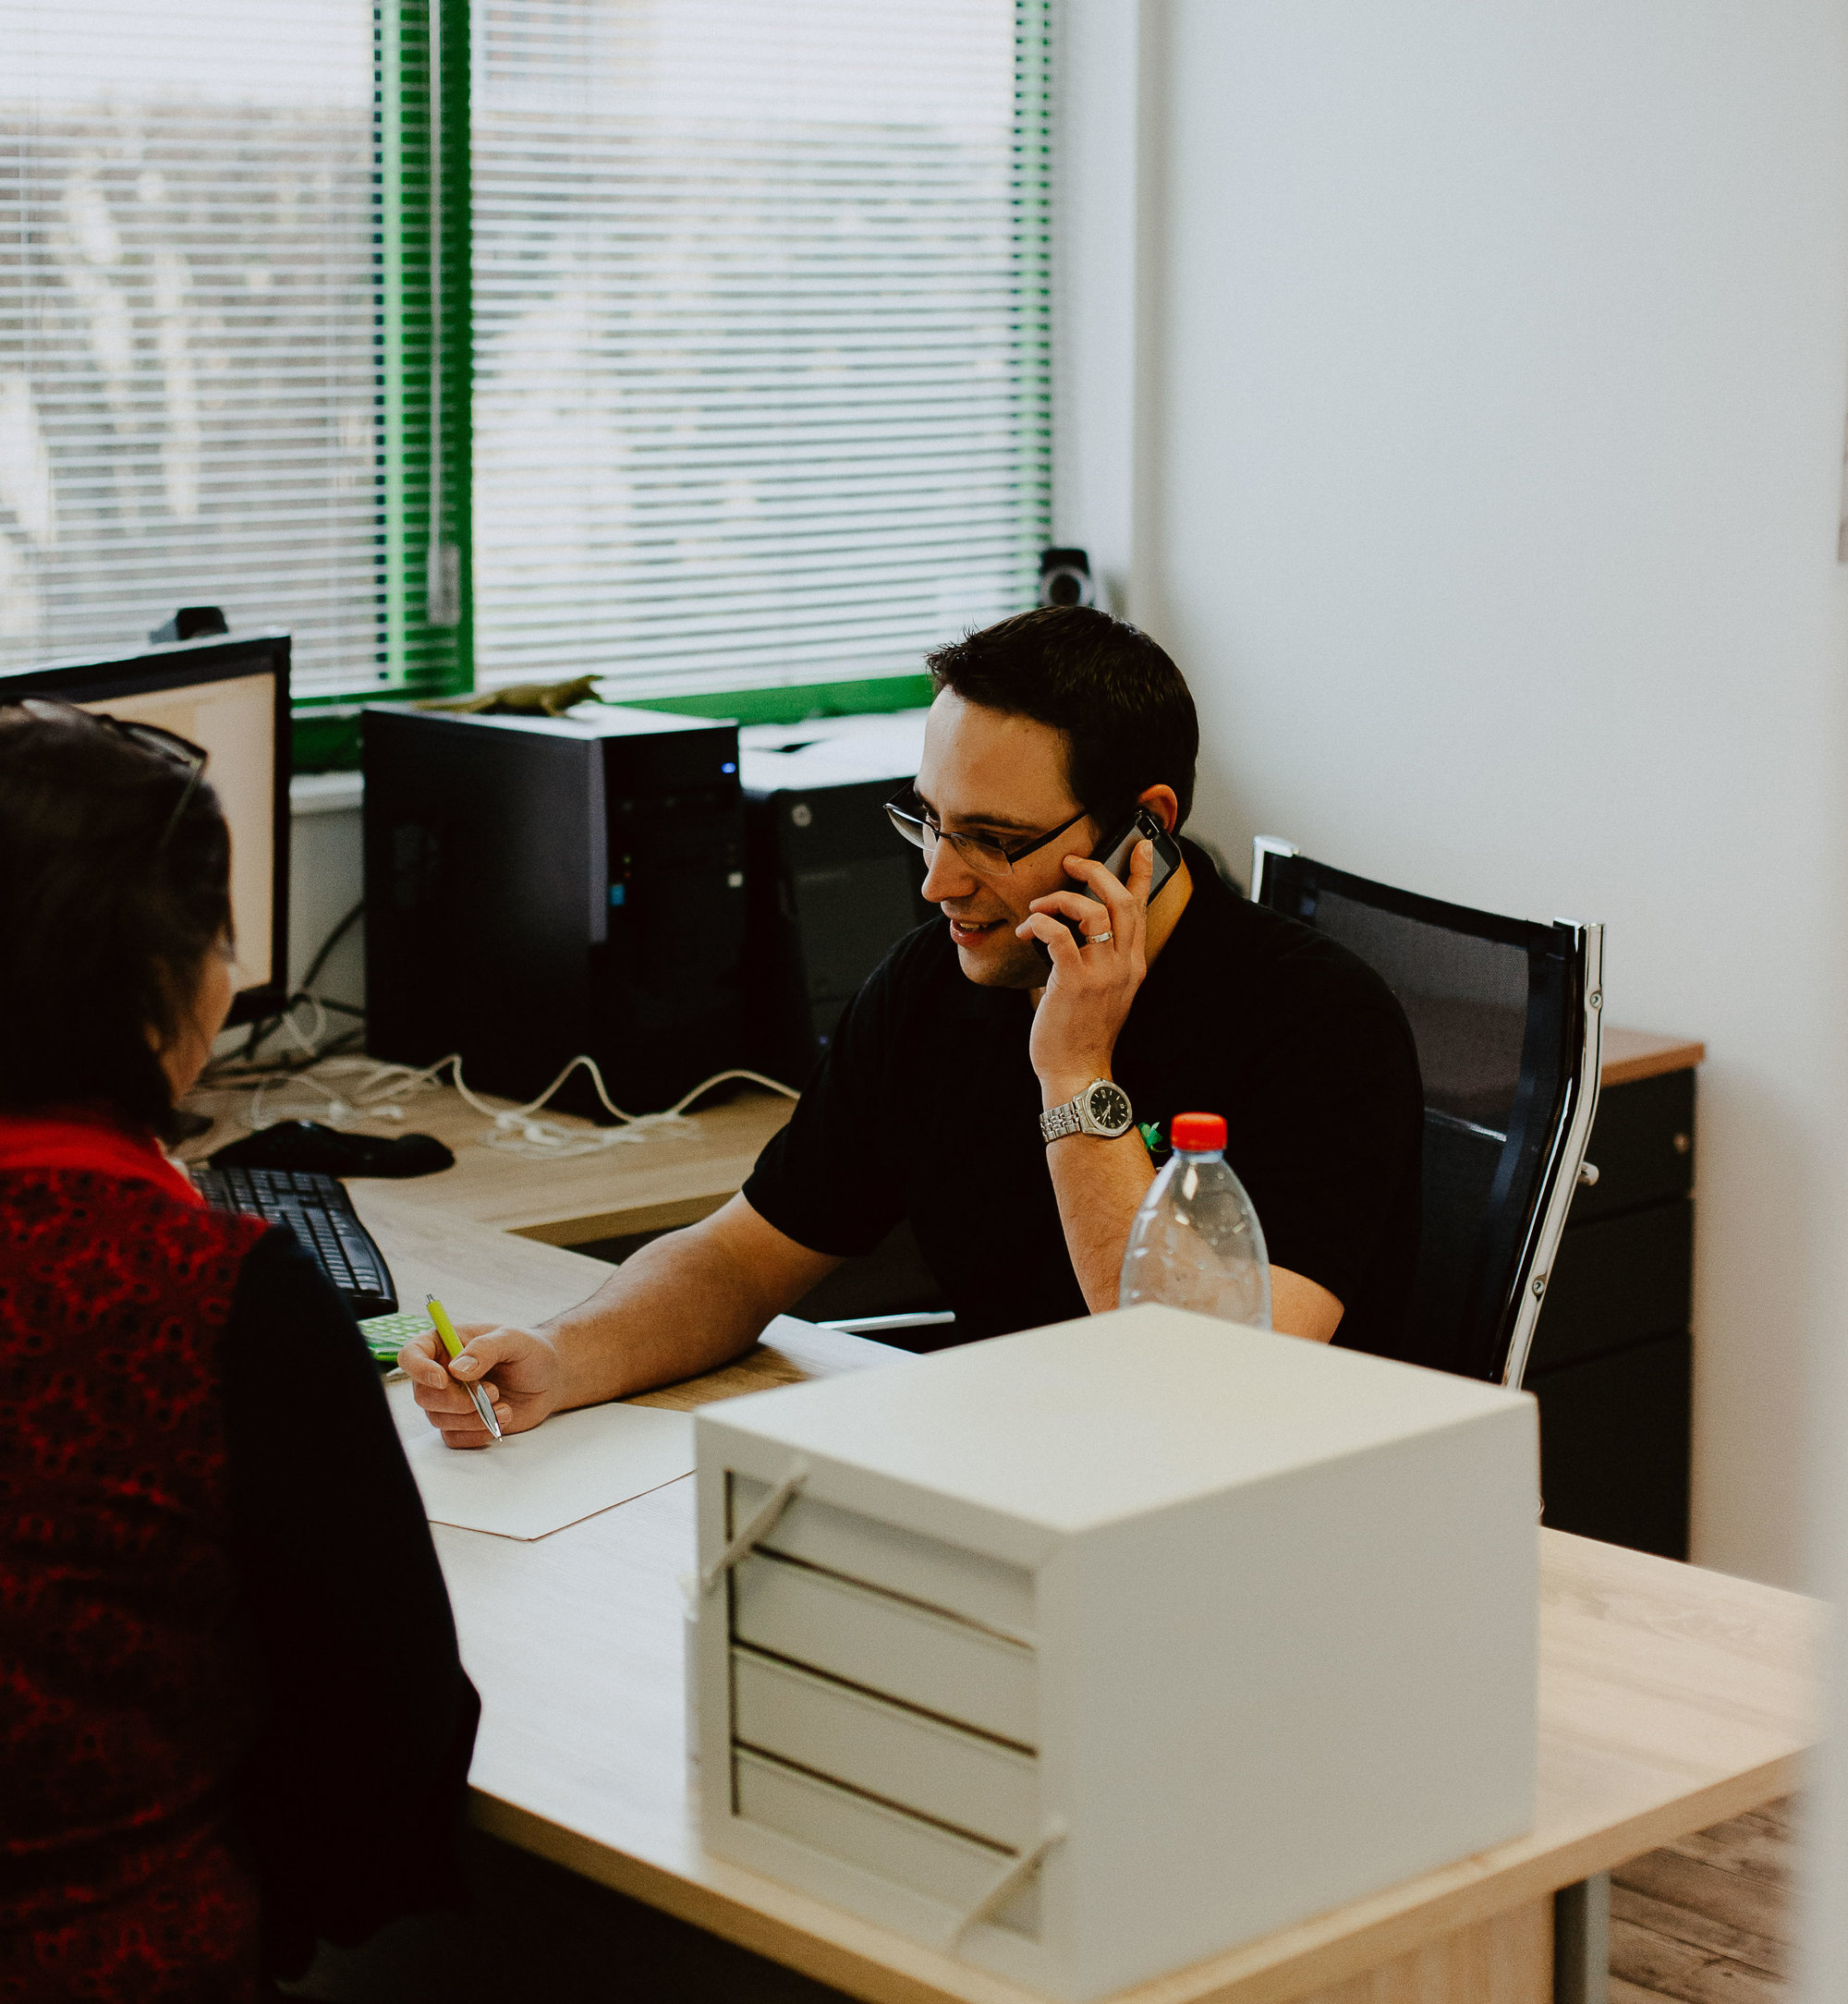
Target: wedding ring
[[1098, 939]]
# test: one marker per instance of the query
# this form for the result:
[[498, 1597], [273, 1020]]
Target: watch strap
[[1059, 1121]]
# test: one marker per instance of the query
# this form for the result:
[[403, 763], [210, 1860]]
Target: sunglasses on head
[[172, 751]]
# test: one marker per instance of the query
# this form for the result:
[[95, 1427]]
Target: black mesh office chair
[[1506, 1016]]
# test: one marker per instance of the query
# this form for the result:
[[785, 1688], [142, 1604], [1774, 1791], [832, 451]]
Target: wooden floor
[[1707, 1921]]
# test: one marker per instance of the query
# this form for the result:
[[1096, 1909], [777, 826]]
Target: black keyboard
[[318, 1211]]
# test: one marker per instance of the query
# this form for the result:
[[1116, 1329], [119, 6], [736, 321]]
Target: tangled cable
[[515, 1129]]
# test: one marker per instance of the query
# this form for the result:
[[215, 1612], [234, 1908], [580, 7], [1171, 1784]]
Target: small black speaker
[[188, 623], [1066, 578]]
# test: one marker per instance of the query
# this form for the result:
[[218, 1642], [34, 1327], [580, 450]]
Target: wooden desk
[[1633, 1054], [500, 1277], [670, 1179], [1670, 1699], [655, 1185]]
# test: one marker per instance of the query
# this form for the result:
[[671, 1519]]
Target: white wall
[[1492, 364], [326, 880], [1095, 298]]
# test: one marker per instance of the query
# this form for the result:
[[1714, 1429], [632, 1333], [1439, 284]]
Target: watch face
[[1110, 1106]]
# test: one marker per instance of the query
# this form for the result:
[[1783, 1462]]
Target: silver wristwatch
[[1101, 1109]]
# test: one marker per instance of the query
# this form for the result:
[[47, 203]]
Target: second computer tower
[[541, 887], [833, 886]]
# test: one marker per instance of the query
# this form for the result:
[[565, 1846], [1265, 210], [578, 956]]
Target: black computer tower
[[832, 888], [539, 887]]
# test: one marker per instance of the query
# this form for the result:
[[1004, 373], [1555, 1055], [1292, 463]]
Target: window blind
[[760, 334], [188, 368]]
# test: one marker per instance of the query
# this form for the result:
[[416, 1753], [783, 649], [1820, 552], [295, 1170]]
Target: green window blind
[[761, 387], [423, 304]]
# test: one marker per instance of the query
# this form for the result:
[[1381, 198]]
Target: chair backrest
[[1506, 1016]]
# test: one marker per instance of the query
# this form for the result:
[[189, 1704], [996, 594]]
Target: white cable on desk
[[311, 1044], [515, 1129]]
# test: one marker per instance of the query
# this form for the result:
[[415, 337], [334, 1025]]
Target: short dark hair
[[108, 906], [1126, 712]]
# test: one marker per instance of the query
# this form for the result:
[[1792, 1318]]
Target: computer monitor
[[230, 695]]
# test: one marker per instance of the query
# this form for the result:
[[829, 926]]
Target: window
[[761, 302], [188, 366], [755, 312]]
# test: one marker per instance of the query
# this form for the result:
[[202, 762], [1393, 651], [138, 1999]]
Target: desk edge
[[586, 1228], [1669, 1054], [1393, 1933]]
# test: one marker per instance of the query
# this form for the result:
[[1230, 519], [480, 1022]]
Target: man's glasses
[[981, 854], [172, 749]]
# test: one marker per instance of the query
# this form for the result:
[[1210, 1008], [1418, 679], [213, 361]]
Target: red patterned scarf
[[83, 1137]]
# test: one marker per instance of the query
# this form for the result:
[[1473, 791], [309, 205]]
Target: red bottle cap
[[1194, 1132]]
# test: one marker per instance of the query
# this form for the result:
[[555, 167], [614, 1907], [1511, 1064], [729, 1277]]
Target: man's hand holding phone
[[1094, 976]]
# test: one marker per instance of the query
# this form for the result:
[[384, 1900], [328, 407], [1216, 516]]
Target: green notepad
[[387, 1334]]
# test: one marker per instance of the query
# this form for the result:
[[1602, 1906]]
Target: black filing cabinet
[[1612, 1359]]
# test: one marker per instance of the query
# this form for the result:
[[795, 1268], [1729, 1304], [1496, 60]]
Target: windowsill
[[327, 793]]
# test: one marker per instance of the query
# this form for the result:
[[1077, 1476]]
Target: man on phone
[[1004, 1081]]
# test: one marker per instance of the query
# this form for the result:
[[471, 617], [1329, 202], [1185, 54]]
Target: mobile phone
[[1113, 853]]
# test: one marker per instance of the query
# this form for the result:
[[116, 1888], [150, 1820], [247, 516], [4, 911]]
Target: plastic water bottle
[[1197, 1243]]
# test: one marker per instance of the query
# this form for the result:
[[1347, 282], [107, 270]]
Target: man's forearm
[[1099, 1185], [679, 1307]]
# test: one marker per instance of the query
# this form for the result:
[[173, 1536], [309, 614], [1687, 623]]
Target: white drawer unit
[[1085, 1653]]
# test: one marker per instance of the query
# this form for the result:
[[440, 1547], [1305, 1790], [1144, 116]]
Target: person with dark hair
[[215, 1575], [1004, 1081]]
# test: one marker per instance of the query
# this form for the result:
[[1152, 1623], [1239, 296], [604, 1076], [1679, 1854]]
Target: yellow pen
[[451, 1342]]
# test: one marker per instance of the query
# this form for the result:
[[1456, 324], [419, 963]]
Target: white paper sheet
[[532, 1484]]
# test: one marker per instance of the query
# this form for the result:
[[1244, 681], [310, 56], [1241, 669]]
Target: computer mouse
[[312, 1145]]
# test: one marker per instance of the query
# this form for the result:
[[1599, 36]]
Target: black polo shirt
[[927, 1107]]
